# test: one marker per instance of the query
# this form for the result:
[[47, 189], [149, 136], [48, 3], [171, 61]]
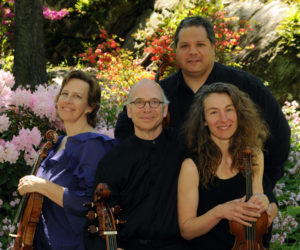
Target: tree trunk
[[29, 60]]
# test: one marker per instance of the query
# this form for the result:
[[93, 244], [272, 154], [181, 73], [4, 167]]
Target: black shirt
[[181, 98], [217, 192], [142, 176]]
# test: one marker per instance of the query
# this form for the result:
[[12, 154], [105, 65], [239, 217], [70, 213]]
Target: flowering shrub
[[117, 72], [24, 117], [6, 27], [286, 230], [54, 14], [228, 30]]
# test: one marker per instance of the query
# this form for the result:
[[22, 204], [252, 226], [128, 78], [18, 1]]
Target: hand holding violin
[[32, 183], [240, 211]]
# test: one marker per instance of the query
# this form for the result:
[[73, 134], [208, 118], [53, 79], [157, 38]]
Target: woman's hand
[[30, 184], [261, 200], [272, 212], [240, 211]]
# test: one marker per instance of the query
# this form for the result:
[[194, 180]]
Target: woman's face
[[72, 104], [220, 116]]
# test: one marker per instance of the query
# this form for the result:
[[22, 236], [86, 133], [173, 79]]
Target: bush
[[228, 30], [117, 71], [286, 230], [24, 119]]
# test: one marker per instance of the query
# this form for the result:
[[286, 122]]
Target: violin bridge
[[110, 233]]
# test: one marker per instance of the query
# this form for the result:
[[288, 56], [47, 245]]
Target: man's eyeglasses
[[140, 103]]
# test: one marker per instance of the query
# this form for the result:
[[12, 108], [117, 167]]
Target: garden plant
[[26, 115]]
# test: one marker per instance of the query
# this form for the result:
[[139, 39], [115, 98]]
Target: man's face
[[194, 52], [147, 120]]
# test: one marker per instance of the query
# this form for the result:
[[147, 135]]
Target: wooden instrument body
[[249, 238], [31, 205], [240, 232]]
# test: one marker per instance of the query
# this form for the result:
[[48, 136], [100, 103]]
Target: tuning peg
[[89, 204], [116, 209], [91, 215], [120, 222], [93, 229]]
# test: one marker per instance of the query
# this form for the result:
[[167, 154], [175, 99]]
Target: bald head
[[147, 105], [147, 84]]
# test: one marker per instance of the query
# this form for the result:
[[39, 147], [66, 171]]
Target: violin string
[[250, 230]]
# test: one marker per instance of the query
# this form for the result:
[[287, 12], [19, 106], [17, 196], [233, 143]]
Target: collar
[[150, 143]]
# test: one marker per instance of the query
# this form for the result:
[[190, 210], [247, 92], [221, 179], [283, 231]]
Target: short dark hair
[[196, 21], [94, 94]]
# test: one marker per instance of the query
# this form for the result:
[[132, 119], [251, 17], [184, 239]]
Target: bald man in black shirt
[[142, 173]]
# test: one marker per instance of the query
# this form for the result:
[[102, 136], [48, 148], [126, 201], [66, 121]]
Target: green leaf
[[293, 211]]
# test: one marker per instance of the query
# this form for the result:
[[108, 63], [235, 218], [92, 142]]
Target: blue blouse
[[73, 168]]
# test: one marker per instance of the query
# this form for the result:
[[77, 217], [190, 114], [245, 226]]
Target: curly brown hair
[[94, 95], [251, 132]]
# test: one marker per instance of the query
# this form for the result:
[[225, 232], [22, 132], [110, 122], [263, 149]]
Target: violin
[[249, 238], [106, 223], [30, 207]]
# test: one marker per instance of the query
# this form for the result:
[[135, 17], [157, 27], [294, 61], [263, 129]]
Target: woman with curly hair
[[223, 122]]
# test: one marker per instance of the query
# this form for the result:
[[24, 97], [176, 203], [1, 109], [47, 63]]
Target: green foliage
[[117, 72], [6, 28], [289, 30], [286, 230], [95, 10], [228, 30]]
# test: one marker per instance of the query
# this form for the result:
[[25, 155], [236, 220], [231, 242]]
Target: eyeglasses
[[140, 103]]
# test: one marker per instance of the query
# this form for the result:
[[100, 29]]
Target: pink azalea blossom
[[36, 136], [6, 78], [109, 133], [4, 123], [6, 82], [54, 14], [11, 153], [30, 156]]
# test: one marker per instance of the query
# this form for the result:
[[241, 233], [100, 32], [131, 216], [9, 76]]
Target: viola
[[249, 238], [30, 207], [104, 214]]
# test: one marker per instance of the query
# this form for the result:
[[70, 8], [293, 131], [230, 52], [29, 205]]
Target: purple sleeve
[[87, 155]]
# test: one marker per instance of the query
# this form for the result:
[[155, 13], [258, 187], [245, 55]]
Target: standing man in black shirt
[[142, 173], [195, 54]]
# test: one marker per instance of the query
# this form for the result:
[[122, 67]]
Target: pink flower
[[109, 133], [11, 154], [36, 136], [6, 78], [4, 123], [54, 14]]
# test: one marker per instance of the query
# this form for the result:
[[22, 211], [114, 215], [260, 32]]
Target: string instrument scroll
[[30, 207], [249, 238], [104, 214]]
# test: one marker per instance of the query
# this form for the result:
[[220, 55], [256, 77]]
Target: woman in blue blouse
[[66, 176]]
